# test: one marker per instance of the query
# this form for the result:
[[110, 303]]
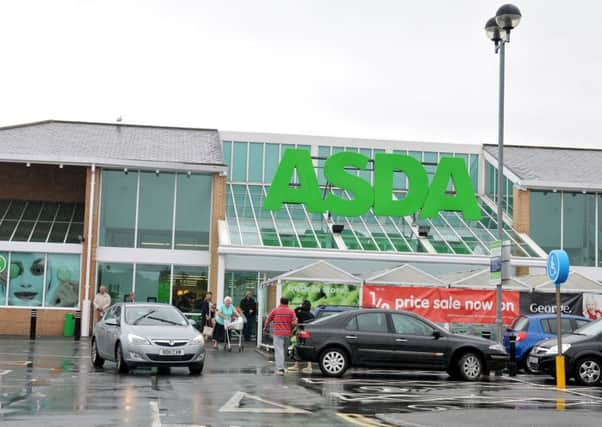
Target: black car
[[582, 354], [394, 340]]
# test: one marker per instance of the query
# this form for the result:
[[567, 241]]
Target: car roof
[[552, 316]]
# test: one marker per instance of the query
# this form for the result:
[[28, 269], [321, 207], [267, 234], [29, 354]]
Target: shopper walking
[[284, 320], [304, 315], [225, 313], [248, 306], [102, 301]]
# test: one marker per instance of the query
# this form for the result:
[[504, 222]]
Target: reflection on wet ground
[[51, 382]]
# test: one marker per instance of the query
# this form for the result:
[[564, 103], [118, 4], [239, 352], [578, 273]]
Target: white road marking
[[568, 390], [15, 362], [4, 372], [156, 418], [233, 405]]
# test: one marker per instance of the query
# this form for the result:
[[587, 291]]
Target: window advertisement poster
[[3, 276], [318, 293], [592, 306], [444, 305], [62, 281]]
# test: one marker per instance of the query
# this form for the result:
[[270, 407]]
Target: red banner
[[443, 304]]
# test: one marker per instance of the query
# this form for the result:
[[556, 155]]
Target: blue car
[[530, 329]]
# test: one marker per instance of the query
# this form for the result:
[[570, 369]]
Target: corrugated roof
[[554, 168], [112, 145]]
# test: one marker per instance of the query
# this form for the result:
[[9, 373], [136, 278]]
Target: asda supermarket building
[[171, 213]]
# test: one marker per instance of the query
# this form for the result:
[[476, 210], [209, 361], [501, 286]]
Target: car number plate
[[171, 352], [532, 360]]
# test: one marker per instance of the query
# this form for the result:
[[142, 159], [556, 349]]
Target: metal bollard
[[32, 324], [512, 367], [78, 326]]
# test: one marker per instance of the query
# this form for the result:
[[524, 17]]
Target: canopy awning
[[319, 271], [404, 275]]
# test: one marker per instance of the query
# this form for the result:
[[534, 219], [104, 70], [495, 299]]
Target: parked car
[[328, 310], [530, 329], [394, 340], [133, 335], [582, 354]]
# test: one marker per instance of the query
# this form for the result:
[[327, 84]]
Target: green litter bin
[[69, 327]]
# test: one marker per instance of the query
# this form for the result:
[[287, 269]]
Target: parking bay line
[[570, 391]]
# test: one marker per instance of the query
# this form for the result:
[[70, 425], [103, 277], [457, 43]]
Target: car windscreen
[[154, 316], [591, 329]]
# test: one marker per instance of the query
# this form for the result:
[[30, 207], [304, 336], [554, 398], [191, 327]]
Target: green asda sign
[[420, 197]]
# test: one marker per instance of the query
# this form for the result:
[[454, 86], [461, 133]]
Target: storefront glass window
[[4, 267], [26, 287], [193, 212], [272, 158], [579, 228], [155, 212], [545, 219], [239, 162], [152, 283], [62, 280], [189, 287], [255, 159], [117, 278], [118, 209]]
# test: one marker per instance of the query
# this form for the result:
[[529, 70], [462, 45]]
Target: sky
[[382, 69]]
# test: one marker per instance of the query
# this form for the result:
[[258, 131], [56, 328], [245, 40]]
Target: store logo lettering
[[429, 201]]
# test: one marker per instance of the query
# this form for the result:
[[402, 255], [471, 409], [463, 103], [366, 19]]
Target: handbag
[[208, 331]]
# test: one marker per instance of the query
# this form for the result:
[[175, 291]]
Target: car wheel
[[97, 361], [122, 366], [470, 367], [588, 371], [196, 369], [334, 362], [525, 366]]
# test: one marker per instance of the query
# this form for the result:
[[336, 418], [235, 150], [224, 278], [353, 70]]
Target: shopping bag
[[208, 331]]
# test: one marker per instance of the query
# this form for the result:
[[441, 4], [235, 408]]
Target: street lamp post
[[498, 30]]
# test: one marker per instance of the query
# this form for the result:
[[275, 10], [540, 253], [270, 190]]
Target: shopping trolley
[[234, 332]]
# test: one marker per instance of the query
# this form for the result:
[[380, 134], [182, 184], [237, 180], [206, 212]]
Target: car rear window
[[520, 324], [549, 326]]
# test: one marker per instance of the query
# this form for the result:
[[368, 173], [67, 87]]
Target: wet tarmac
[[51, 382]]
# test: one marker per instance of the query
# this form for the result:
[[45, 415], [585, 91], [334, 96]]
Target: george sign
[[444, 304], [558, 266], [543, 303], [429, 201]]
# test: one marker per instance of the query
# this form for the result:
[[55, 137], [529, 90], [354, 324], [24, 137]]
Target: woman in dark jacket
[[304, 315]]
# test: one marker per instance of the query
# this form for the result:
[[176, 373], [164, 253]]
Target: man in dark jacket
[[248, 306]]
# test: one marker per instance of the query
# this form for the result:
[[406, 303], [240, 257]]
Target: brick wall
[[218, 211], [16, 321], [521, 219], [42, 182]]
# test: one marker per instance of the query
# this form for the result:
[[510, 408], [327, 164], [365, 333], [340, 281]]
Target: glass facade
[[491, 188], [42, 222], [158, 198], [184, 288], [39, 280], [293, 226], [569, 221]]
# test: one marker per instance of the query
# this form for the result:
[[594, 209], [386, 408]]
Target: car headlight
[[137, 340], [497, 347], [554, 349], [197, 340]]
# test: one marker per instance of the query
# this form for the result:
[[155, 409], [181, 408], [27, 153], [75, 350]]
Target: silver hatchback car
[[133, 335]]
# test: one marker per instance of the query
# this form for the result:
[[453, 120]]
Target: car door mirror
[[111, 322], [436, 334]]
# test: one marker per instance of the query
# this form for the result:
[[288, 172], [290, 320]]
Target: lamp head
[[493, 30], [508, 17]]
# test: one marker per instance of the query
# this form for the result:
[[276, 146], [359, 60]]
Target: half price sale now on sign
[[443, 304]]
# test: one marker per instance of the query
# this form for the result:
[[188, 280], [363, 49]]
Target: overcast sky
[[395, 69]]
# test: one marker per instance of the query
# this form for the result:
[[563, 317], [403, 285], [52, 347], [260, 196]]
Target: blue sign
[[558, 266]]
